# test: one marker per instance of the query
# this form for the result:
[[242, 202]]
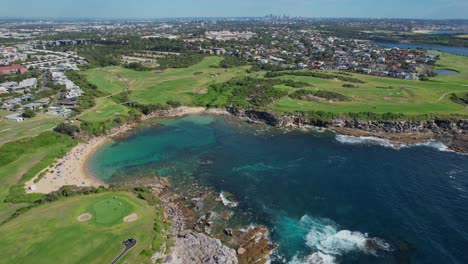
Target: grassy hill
[[374, 94]]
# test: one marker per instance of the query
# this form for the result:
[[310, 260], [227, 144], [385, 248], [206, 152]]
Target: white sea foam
[[388, 144], [226, 202], [314, 258], [328, 242]]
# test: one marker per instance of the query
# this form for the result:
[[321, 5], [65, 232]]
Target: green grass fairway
[[105, 109], [108, 83], [12, 130], [51, 234], [111, 211], [159, 87], [382, 95], [378, 95]]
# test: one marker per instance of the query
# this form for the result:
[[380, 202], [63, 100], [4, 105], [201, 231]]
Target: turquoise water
[[320, 197]]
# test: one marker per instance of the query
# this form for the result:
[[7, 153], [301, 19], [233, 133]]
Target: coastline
[[192, 225], [73, 169]]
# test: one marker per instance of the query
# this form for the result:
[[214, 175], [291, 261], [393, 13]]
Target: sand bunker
[[84, 217], [130, 218]]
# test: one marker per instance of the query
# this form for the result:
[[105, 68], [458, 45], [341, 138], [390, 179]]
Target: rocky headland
[[451, 132]]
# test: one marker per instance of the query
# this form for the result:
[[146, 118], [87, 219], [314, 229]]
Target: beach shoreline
[[72, 169]]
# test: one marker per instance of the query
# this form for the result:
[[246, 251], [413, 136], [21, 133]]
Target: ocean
[[323, 197]]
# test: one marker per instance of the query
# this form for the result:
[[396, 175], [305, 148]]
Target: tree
[[68, 129], [28, 113]]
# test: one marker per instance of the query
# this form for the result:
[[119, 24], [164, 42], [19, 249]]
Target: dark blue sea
[[324, 198]]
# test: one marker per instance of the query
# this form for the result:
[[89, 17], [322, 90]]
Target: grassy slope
[[12, 130], [379, 95], [105, 109], [10, 174], [21, 160], [172, 84], [394, 95], [51, 233]]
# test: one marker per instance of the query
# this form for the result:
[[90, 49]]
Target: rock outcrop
[[194, 247], [447, 130]]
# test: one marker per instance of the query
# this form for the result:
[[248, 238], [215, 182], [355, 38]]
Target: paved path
[[129, 243]]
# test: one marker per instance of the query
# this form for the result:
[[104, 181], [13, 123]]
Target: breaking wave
[[387, 143], [329, 243], [226, 202]]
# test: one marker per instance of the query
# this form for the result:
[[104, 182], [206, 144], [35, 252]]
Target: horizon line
[[214, 17]]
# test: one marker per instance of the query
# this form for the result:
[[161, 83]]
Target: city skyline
[[146, 9]]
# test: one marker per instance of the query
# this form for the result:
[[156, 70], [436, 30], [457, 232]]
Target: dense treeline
[[67, 129], [309, 95], [108, 52], [136, 66], [321, 75], [232, 62], [246, 92], [183, 60]]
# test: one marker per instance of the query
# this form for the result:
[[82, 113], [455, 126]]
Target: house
[[8, 84], [29, 83], [3, 90], [13, 69], [43, 101], [32, 106], [16, 117]]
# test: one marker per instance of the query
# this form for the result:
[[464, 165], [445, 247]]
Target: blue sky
[[182, 8]]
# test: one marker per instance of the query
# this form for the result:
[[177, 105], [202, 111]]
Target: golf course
[[371, 94], [52, 234]]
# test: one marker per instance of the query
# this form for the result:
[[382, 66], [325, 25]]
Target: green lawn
[[111, 211], [12, 130], [51, 234], [159, 87], [105, 109]]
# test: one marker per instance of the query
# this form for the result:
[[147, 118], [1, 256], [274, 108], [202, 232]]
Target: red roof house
[[13, 69]]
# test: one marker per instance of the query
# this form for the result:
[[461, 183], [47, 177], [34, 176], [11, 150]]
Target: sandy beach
[[72, 168], [69, 170]]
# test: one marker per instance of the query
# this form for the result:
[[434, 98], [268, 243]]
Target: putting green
[[51, 233], [111, 211]]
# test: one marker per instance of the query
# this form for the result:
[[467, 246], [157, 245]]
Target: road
[[129, 243]]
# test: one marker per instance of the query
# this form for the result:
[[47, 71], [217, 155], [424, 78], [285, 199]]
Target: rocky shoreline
[[452, 133], [201, 229]]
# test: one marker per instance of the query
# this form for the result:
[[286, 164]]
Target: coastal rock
[[228, 231], [436, 128], [241, 251], [257, 247], [195, 247]]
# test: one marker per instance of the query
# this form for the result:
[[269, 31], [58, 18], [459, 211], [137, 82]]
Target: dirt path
[[445, 94]]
